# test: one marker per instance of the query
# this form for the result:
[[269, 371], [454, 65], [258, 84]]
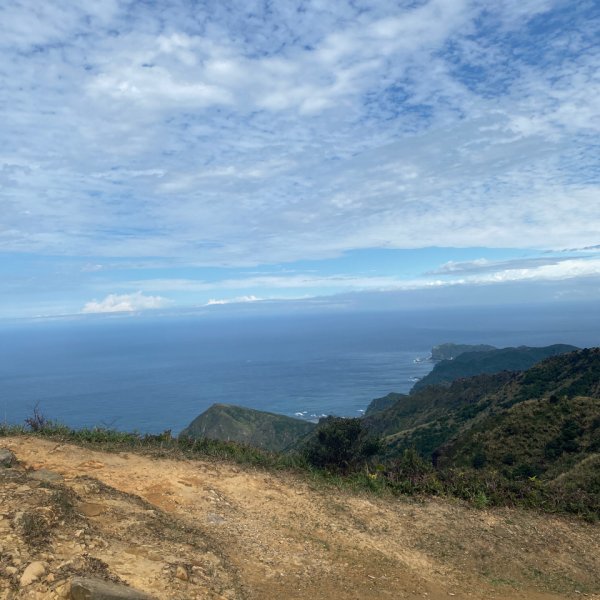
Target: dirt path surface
[[198, 529]]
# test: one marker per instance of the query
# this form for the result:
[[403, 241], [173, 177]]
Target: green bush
[[340, 446]]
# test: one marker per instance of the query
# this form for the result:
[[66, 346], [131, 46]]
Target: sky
[[180, 155]]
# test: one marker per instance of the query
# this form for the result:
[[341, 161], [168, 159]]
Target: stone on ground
[[7, 458], [32, 573]]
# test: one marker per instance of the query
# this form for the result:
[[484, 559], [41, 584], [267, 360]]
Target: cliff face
[[182, 529]]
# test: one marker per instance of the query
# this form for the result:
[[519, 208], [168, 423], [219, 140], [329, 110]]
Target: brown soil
[[198, 529]]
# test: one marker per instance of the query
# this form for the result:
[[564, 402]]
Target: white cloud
[[477, 272], [482, 265], [238, 300], [125, 303], [233, 137], [567, 269]]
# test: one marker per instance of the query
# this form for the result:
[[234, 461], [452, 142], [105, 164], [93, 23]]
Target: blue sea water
[[151, 375]]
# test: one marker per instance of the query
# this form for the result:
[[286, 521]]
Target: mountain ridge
[[467, 364]]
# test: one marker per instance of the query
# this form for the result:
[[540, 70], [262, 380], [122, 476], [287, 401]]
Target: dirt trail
[[271, 536]]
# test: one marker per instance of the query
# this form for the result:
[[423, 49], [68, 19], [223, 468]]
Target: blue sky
[[171, 155]]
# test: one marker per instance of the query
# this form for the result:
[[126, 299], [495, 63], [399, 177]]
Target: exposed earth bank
[[204, 529]]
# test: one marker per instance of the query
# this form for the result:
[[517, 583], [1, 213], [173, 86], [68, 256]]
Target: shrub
[[340, 446], [411, 474]]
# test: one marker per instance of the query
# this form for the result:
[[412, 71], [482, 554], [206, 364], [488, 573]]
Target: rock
[[32, 572], [84, 588], [46, 476], [181, 573], [63, 590], [7, 458]]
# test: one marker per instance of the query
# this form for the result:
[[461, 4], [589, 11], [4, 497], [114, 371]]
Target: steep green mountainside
[[439, 421], [546, 422], [533, 440], [245, 425], [428, 418], [545, 436], [468, 364], [447, 351], [450, 351], [572, 374], [433, 402]]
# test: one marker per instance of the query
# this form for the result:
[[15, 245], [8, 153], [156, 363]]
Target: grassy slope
[[548, 418], [546, 436], [545, 425], [509, 427]]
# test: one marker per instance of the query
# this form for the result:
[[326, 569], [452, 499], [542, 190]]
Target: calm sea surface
[[151, 375]]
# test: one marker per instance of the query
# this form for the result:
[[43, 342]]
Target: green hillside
[[468, 364], [572, 374], [433, 402], [429, 417], [379, 404], [545, 436], [532, 440], [248, 426], [546, 422]]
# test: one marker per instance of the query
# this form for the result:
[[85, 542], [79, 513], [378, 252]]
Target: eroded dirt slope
[[199, 529]]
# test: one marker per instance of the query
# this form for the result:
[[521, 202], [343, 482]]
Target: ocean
[[149, 375]]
